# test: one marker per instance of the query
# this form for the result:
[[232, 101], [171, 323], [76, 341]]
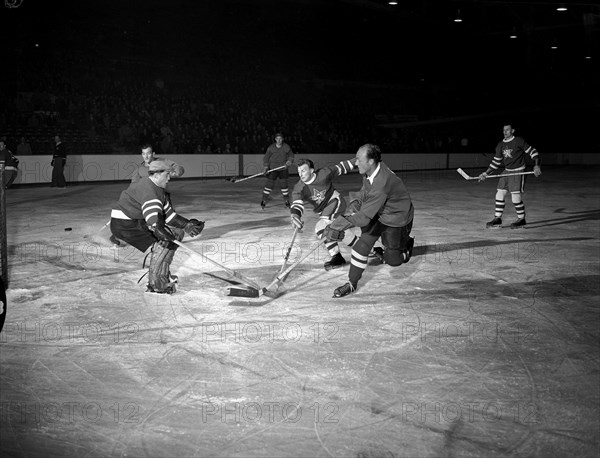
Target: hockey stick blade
[[465, 175], [242, 292]]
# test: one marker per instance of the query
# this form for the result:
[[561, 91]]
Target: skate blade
[[328, 268]]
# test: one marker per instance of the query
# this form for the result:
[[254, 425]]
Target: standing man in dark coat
[[58, 164]]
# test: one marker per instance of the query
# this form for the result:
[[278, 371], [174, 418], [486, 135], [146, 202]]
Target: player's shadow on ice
[[442, 249], [573, 217]]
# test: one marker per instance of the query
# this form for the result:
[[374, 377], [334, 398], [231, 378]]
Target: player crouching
[[384, 210], [145, 218]]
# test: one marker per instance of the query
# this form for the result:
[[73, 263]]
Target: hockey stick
[[238, 180], [289, 250], [246, 281], [281, 276], [468, 177]]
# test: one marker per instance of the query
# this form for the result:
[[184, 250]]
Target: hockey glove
[[288, 163], [483, 176], [194, 227], [52, 163], [333, 235], [297, 222], [266, 169], [163, 233]]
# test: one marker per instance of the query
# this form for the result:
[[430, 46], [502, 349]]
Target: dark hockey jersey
[[142, 170], [276, 157], [512, 154], [144, 200], [319, 190], [386, 198]]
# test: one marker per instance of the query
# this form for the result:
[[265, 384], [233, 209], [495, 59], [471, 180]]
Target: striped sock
[[520, 208], [499, 208]]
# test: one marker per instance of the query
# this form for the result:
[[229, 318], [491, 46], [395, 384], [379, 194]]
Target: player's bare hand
[[482, 177], [537, 171]]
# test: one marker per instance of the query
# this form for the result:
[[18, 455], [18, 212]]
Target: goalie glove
[[163, 233], [194, 227], [296, 221]]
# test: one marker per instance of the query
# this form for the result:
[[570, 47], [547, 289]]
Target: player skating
[[511, 152], [277, 155], [317, 188]]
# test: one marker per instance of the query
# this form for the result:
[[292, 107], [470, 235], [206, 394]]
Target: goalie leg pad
[[158, 274]]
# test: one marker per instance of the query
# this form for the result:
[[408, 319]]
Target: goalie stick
[[245, 281], [238, 179], [468, 177]]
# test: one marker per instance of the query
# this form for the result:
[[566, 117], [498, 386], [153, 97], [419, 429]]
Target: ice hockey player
[[317, 188], [512, 152], [383, 210], [277, 155], [140, 218], [11, 164], [148, 156]]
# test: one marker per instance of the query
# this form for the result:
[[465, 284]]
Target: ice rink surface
[[485, 344]]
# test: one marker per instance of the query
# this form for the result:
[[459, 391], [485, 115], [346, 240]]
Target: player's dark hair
[[146, 145], [308, 162], [373, 152]]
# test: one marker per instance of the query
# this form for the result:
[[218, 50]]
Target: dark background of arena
[[224, 76]]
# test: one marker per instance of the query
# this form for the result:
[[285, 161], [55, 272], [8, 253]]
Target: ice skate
[[496, 222], [344, 290], [378, 253], [519, 223], [337, 260]]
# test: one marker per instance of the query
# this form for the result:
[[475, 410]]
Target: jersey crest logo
[[507, 152], [318, 196]]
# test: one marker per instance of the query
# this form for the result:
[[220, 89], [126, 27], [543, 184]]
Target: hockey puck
[[68, 229]]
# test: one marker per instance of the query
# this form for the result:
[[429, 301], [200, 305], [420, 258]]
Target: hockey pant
[[395, 241], [334, 208], [270, 184]]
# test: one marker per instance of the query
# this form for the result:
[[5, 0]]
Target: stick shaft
[[468, 177], [289, 250], [283, 274], [510, 174], [233, 273], [260, 174]]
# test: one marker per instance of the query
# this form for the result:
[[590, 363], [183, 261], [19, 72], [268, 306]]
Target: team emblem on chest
[[318, 196]]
